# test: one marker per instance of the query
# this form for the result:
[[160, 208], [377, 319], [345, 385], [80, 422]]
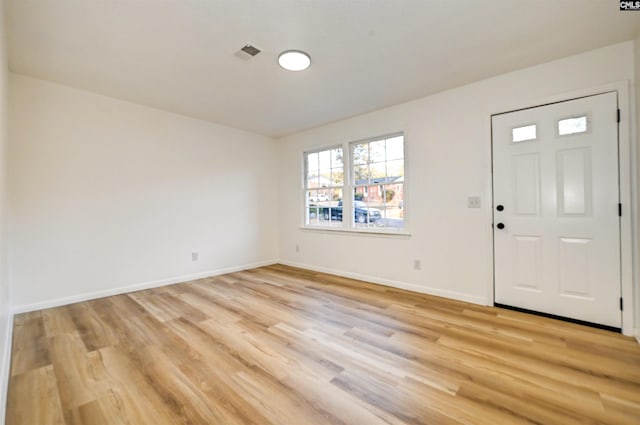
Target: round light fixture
[[294, 60]]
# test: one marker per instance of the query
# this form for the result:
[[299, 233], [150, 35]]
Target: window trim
[[349, 185]]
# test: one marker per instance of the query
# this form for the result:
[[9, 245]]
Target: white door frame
[[628, 191]]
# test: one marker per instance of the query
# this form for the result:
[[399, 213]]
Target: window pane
[[335, 197], [392, 195], [366, 206], [325, 178], [572, 125], [361, 174], [392, 219], [312, 162], [395, 169], [312, 217], [312, 211], [395, 148], [521, 134], [312, 180], [360, 153], [337, 176], [320, 197], [394, 205], [336, 158], [325, 159], [330, 211], [313, 214], [378, 171], [379, 206], [376, 151]]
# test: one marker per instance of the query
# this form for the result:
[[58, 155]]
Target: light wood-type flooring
[[278, 345]]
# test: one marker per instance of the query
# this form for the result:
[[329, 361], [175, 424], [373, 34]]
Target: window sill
[[361, 232]]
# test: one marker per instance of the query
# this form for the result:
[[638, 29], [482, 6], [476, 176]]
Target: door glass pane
[[522, 134], [572, 125]]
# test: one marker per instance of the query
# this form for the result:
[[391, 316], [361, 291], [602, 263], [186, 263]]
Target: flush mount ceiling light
[[294, 60]]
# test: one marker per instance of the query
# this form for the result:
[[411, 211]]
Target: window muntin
[[324, 180]]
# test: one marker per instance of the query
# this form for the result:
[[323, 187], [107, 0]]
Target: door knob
[[500, 226], [500, 207]]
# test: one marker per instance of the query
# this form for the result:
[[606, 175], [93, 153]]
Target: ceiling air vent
[[248, 51]]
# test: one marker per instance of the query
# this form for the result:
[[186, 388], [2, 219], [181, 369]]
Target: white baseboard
[[393, 283], [24, 308], [638, 335], [6, 367]]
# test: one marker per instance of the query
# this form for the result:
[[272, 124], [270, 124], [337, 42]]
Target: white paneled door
[[556, 209]]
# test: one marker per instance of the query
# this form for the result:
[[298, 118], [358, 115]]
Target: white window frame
[[306, 189], [348, 189]]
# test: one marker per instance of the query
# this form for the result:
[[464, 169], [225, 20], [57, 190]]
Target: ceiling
[[180, 55]]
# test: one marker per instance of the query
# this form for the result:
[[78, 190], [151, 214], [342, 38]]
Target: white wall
[[5, 313], [448, 143], [106, 194]]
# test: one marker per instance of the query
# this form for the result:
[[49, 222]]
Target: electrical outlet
[[417, 265], [297, 248], [474, 202], [194, 256]]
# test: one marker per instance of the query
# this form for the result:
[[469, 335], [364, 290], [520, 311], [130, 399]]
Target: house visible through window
[[323, 186], [374, 175]]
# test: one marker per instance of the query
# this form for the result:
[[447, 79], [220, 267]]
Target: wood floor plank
[[142, 402], [36, 393], [30, 345], [94, 332], [79, 374], [278, 345]]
